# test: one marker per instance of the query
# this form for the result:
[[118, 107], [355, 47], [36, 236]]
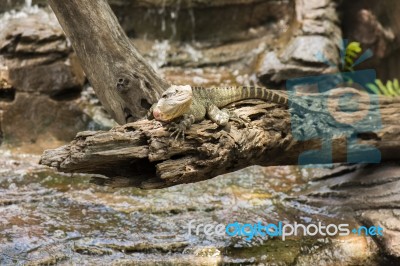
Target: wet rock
[[37, 120], [41, 83], [370, 193], [183, 3], [390, 221], [186, 20], [352, 250], [7, 5], [274, 70], [310, 47], [192, 20], [174, 54], [58, 79], [36, 56]]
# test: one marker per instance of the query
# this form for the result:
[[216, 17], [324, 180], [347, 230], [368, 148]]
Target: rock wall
[[312, 40], [41, 82], [200, 43], [188, 20], [7, 5], [212, 21]]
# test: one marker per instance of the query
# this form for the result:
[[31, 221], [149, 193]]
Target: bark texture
[[125, 84], [143, 154]]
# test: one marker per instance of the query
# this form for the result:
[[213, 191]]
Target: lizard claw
[[157, 124], [177, 130]]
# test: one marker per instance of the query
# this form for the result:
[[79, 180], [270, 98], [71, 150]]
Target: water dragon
[[194, 104]]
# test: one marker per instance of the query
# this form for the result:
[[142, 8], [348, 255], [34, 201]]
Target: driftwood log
[[143, 154], [124, 83]]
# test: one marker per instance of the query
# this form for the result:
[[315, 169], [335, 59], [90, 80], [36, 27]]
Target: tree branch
[[125, 84], [142, 154]]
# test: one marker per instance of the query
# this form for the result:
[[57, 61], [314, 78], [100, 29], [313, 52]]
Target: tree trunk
[[124, 83], [143, 154]]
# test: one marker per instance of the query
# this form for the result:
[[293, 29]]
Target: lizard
[[194, 104]]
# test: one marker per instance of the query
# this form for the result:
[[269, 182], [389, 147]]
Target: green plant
[[352, 52], [391, 88]]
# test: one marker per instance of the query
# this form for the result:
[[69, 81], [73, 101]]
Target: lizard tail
[[264, 94], [274, 96]]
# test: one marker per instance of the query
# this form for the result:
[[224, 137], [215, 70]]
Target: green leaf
[[354, 46], [382, 87], [349, 60], [349, 68], [353, 50], [373, 88], [396, 86], [389, 87], [351, 53]]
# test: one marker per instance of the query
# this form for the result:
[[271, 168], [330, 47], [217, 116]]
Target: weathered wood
[[142, 153], [125, 84]]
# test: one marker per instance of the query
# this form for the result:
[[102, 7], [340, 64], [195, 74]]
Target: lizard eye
[[164, 96]]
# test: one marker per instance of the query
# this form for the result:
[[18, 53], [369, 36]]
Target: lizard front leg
[[181, 127], [222, 117], [218, 116]]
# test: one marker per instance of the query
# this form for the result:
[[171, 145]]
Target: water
[[159, 54], [28, 3], [47, 217]]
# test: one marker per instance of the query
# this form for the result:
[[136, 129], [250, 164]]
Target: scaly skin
[[194, 104]]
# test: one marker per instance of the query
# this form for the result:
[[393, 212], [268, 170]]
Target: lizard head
[[174, 102]]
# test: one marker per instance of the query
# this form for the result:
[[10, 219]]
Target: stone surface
[[53, 69], [370, 192], [310, 49], [41, 83], [187, 20], [36, 120], [7, 5], [389, 219], [63, 77], [36, 56], [192, 20], [312, 41], [274, 70]]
